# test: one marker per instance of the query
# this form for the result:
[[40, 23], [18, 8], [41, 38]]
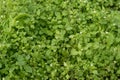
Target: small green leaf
[[74, 52], [28, 68], [118, 71], [58, 15], [0, 65]]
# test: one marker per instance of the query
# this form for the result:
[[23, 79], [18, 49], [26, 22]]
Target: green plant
[[59, 39]]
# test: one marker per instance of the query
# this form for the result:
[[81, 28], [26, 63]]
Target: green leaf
[[20, 60], [0, 65], [75, 52], [28, 69]]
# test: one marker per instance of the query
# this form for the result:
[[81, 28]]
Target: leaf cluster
[[59, 39]]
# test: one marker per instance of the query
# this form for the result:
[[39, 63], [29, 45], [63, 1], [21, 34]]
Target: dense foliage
[[59, 39]]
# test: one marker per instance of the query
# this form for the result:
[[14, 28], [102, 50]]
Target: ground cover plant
[[59, 39]]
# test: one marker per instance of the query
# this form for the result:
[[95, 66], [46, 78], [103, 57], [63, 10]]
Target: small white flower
[[51, 65], [80, 32], [94, 11], [106, 32], [4, 2], [91, 64], [39, 45], [2, 16]]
